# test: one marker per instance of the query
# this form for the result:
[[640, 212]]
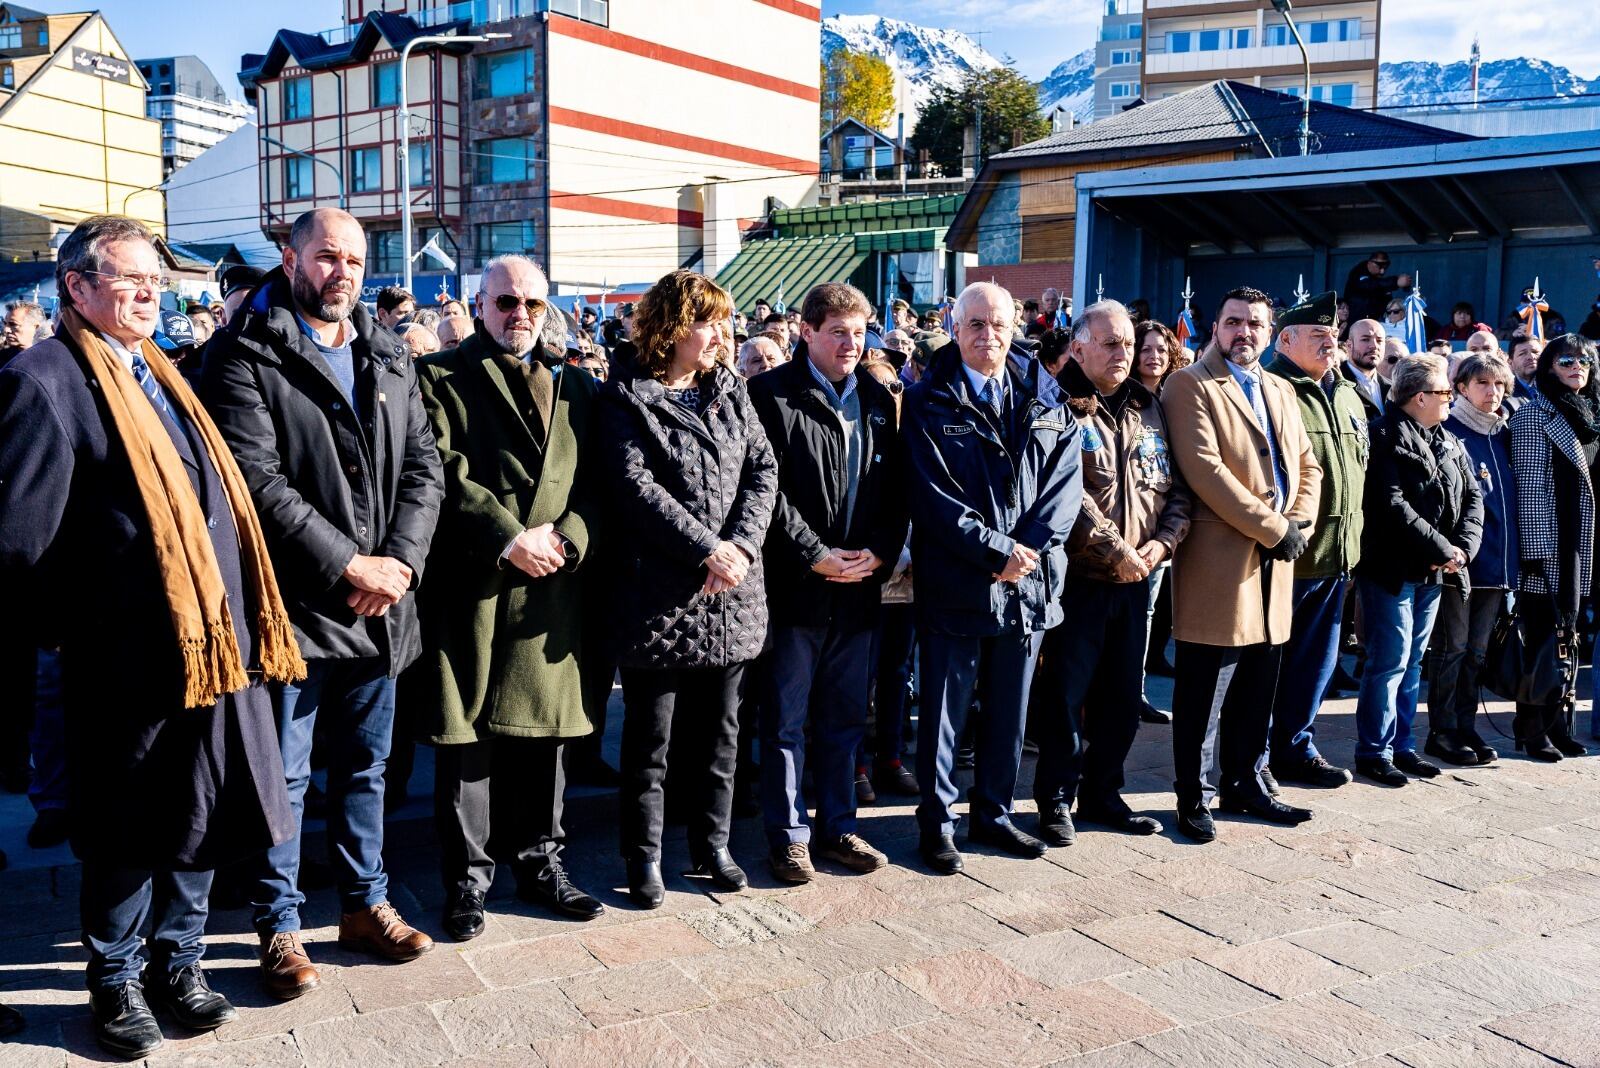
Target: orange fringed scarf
[[196, 594]]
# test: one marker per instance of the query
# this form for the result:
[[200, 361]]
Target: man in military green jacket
[[1336, 422], [497, 689]]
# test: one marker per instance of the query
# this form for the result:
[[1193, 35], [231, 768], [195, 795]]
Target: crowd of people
[[319, 528]]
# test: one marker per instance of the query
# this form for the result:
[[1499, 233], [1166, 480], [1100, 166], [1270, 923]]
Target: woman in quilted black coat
[[1555, 440], [693, 482]]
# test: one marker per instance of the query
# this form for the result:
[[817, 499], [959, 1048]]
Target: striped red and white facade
[[653, 131]]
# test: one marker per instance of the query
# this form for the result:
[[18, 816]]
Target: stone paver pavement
[[1451, 924]]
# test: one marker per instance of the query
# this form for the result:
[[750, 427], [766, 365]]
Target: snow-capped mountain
[[1411, 83], [921, 57], [1070, 86]]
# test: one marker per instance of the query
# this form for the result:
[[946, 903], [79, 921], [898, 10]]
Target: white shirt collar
[[122, 352], [977, 381]]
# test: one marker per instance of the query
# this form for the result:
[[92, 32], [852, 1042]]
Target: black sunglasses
[[895, 388], [1574, 361], [507, 304]]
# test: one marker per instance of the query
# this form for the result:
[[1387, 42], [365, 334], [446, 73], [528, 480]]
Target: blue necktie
[[1252, 392], [994, 399], [152, 389]]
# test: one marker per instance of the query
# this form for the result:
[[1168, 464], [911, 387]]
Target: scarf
[[1477, 420], [1578, 409], [197, 597]]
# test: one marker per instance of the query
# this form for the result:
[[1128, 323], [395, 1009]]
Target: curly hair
[[668, 310], [1168, 339]]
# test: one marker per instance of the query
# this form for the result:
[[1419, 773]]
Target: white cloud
[[1442, 31]]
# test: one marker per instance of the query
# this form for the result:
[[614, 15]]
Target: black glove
[[1293, 543]]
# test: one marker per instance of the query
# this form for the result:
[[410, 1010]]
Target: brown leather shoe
[[286, 971], [380, 931]]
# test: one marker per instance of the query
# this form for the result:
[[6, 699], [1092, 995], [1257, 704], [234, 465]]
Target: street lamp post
[[1284, 7], [405, 135]]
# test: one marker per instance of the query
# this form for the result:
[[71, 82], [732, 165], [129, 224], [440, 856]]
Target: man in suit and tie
[[498, 689], [1365, 349], [129, 544], [1242, 448]]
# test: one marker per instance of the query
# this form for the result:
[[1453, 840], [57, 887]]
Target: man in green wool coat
[[497, 690]]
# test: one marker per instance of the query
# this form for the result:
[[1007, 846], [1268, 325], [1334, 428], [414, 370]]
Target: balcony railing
[[480, 12], [1252, 58]]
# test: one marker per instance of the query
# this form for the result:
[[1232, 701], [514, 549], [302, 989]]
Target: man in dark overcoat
[[173, 768], [498, 689]]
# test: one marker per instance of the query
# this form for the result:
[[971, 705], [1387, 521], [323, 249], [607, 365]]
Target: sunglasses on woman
[[507, 304], [1574, 361]]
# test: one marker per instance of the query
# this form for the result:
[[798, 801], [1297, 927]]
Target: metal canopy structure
[[1474, 196]]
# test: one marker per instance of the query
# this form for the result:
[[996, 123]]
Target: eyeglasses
[[1444, 393], [1574, 361], [895, 388], [1391, 359], [1396, 310], [506, 303], [154, 282]]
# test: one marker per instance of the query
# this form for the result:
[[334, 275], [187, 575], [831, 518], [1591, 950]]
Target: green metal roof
[[785, 267], [914, 213]]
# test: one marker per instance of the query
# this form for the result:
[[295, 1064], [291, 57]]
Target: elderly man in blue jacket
[[996, 493]]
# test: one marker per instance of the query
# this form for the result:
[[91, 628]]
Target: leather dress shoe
[[1486, 752], [1381, 771], [1008, 838], [1195, 822], [1265, 808], [1314, 772], [1055, 825], [645, 885], [897, 780], [1410, 763], [11, 1021], [379, 930], [1149, 713], [939, 852], [1539, 749], [1449, 748], [555, 891], [1116, 815], [724, 872], [189, 999], [1269, 782], [463, 915], [286, 971], [1569, 747], [123, 1022]]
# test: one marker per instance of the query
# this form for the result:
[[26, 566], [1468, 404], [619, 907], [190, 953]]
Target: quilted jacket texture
[[681, 482]]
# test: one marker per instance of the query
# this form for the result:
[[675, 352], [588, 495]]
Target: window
[[1343, 94], [420, 160], [596, 11], [1135, 31], [497, 239], [44, 36], [1316, 32], [386, 84], [1124, 90], [502, 74], [298, 180], [164, 70], [504, 159], [1180, 41], [1210, 40], [11, 36], [385, 252], [1277, 35], [1241, 39], [910, 276], [1121, 57], [366, 170], [7, 78], [297, 98]]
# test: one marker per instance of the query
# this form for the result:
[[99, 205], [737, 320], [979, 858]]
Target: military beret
[[1317, 311]]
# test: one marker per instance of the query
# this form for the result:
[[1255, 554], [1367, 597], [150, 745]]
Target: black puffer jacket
[[1421, 501], [681, 483]]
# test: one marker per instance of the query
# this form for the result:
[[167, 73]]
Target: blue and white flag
[[1416, 323]]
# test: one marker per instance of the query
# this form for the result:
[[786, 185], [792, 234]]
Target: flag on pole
[[947, 315], [1532, 310], [1186, 328], [1416, 322], [432, 249], [577, 306], [1063, 320]]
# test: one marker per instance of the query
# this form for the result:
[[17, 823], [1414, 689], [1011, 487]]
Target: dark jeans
[[817, 675], [1222, 705], [355, 699], [114, 904], [896, 641], [498, 797], [1087, 693], [1308, 664], [704, 705], [1398, 626], [1460, 641], [48, 740], [999, 670]]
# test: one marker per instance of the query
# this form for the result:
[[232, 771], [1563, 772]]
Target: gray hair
[[1082, 325], [1490, 365], [425, 317], [510, 259], [1002, 296], [81, 251], [1412, 373], [29, 309], [553, 332]]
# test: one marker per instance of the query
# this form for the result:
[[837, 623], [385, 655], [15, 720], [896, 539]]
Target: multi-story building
[[612, 141], [1118, 55], [194, 110], [1192, 42], [74, 139]]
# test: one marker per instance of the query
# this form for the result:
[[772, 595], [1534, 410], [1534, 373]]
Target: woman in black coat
[[693, 482], [1555, 439]]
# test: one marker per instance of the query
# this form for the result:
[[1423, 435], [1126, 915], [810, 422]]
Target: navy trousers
[[1309, 660], [1086, 698], [998, 671], [817, 675], [115, 902]]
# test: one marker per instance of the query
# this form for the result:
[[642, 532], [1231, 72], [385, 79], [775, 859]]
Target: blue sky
[[1037, 34]]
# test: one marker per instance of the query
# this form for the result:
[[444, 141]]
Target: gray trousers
[[1460, 641], [521, 782]]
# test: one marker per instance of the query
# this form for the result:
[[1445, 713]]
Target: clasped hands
[[847, 565], [379, 581], [726, 567], [538, 551]]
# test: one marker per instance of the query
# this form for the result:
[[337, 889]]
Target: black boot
[[644, 883]]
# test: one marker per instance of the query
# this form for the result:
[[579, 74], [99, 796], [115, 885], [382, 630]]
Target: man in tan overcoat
[[1243, 450]]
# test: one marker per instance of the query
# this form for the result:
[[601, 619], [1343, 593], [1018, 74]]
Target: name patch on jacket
[[1049, 423], [960, 428]]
